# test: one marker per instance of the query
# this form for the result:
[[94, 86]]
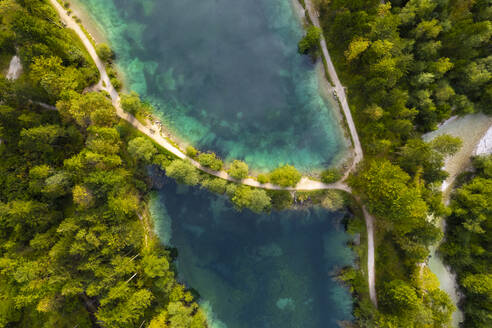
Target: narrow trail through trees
[[305, 184], [340, 93]]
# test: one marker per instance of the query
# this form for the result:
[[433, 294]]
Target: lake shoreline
[[342, 160]]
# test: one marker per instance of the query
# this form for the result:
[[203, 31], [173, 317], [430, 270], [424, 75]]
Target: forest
[[469, 237], [76, 242], [407, 66]]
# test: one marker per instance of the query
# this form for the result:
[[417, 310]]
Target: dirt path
[[338, 88], [358, 154]]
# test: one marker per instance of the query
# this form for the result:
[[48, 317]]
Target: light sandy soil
[[484, 146], [470, 129], [15, 68]]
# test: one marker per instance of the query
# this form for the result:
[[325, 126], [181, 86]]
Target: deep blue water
[[225, 76], [262, 271]]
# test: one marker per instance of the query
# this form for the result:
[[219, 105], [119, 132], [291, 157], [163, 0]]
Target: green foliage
[[73, 248], [397, 202], [467, 244], [216, 185], [104, 52], [191, 152], [285, 176], [281, 199], [385, 188], [92, 108], [408, 68], [142, 148], [134, 105], [418, 156], [82, 196], [254, 199], [400, 297], [53, 78], [238, 170], [183, 172], [479, 284], [310, 42], [211, 161], [332, 200], [331, 176], [263, 178], [446, 145]]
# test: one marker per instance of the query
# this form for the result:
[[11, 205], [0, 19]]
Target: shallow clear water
[[226, 76], [262, 271]]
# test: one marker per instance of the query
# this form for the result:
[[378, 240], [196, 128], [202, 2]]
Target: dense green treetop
[[310, 42], [104, 52], [285, 176], [255, 199], [468, 240], [76, 248], [210, 160], [183, 172], [239, 170]]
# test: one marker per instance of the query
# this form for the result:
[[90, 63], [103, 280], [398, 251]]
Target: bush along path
[[305, 183]]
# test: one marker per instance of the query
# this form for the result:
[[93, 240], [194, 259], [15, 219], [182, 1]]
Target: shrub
[[104, 52], [191, 152], [183, 172], [214, 184], [239, 170], [263, 178], [142, 148], [116, 83], [231, 189], [285, 176], [310, 42], [330, 176], [333, 200], [210, 160], [255, 199], [281, 199]]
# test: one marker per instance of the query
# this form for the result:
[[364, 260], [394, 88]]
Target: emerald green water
[[261, 271], [226, 76]]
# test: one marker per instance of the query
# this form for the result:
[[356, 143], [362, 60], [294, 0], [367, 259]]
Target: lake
[[265, 271], [225, 76]]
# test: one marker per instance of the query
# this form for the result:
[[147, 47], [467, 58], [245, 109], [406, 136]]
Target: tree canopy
[[285, 176]]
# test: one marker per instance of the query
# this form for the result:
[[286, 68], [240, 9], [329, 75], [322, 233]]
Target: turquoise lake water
[[261, 271], [226, 76]]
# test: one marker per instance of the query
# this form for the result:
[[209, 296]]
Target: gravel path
[[340, 93]]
